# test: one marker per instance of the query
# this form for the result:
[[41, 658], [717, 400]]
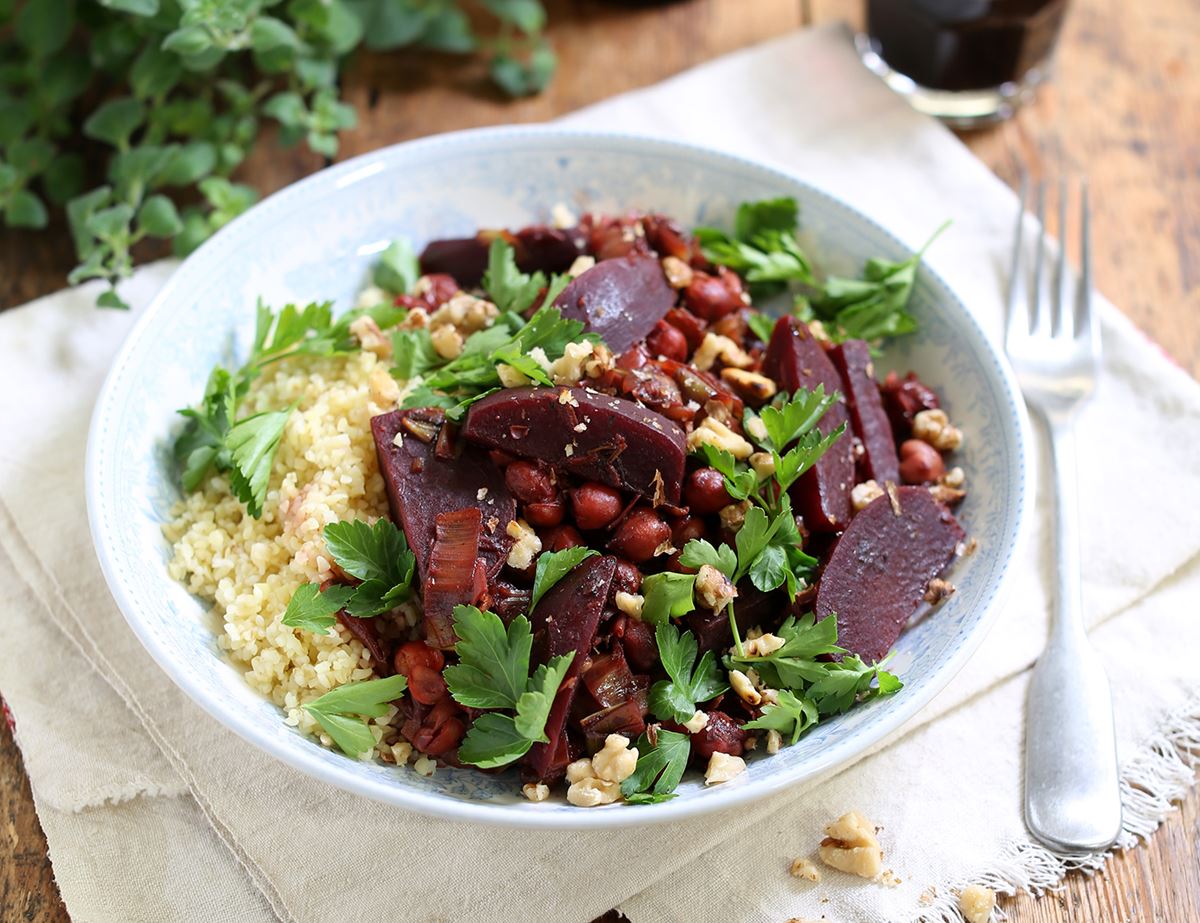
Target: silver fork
[[1072, 794]]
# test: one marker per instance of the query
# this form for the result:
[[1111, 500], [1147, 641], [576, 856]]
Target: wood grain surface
[[1124, 109]]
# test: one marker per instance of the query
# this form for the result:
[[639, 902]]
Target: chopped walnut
[[714, 347], [526, 544], [713, 589], [722, 767], [370, 297], [562, 217], [383, 388], [933, 426], [447, 341], [370, 337], [679, 274], [616, 761], [697, 723], [733, 516], [579, 770], [774, 741], [851, 846], [588, 793], [862, 494], [763, 645], [763, 464], [741, 684], [977, 903], [712, 431], [630, 603], [415, 319], [570, 368], [752, 386], [538, 791], [946, 495], [938, 589], [955, 477], [805, 868], [466, 313], [581, 265], [757, 428], [601, 360], [890, 879], [817, 329]]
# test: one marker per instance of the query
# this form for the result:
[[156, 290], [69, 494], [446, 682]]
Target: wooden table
[[1125, 108]]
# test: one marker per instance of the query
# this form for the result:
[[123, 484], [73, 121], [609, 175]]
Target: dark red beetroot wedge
[[456, 576], [796, 360], [464, 258], [877, 573], [620, 443], [869, 419], [565, 620], [549, 250], [420, 485], [619, 299]]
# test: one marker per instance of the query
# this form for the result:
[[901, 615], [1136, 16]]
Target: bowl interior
[[317, 239]]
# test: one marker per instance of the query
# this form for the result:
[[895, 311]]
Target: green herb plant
[[135, 114], [343, 711]]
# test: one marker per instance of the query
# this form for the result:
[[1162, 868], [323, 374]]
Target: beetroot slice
[[869, 419], [464, 258], [455, 576], [619, 299], [621, 443], [564, 620], [877, 573], [420, 486], [795, 359]]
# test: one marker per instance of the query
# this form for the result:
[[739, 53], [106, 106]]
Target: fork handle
[[1072, 787]]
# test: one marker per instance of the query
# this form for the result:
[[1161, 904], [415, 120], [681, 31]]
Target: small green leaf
[[136, 7], [313, 610], [397, 270], [527, 15], [252, 444], [659, 767], [115, 121], [158, 217], [552, 566], [25, 210], [43, 26], [370, 697], [111, 224], [110, 299], [493, 740], [155, 72], [351, 735], [63, 178], [268, 33], [189, 41], [699, 552], [189, 163], [30, 156], [493, 667], [667, 595]]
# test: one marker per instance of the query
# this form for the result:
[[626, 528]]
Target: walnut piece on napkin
[[851, 846], [977, 903]]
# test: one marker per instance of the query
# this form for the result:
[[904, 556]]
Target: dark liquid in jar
[[964, 44]]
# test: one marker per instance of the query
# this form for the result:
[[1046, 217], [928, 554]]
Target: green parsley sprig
[[377, 555], [762, 248], [511, 340], [215, 439], [659, 768], [690, 682], [342, 711], [811, 685], [492, 673], [768, 545]]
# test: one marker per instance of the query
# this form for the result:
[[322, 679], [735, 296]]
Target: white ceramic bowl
[[316, 239]]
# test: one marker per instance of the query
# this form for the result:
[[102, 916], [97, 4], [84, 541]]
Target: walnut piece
[[679, 274], [712, 431], [526, 544], [722, 767], [862, 494], [714, 347], [933, 427], [538, 791], [752, 386], [851, 846], [713, 589], [616, 761], [805, 868], [937, 590], [588, 793], [977, 903]]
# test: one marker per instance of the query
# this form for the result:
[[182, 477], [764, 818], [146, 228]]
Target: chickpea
[[667, 341], [528, 482], [544, 515], [561, 538], [710, 297], [626, 578], [595, 505], [920, 462], [686, 528], [426, 685], [411, 654], [705, 491], [640, 535]]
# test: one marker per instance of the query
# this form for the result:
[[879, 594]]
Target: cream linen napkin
[[154, 812]]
